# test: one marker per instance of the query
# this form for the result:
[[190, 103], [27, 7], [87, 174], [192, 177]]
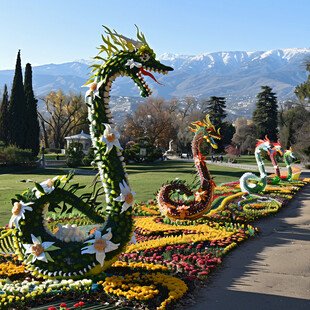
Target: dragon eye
[[145, 57]]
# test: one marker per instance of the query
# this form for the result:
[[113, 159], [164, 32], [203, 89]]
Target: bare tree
[[65, 113], [154, 120]]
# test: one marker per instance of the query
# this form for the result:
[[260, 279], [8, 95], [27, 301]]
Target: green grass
[[250, 160], [54, 156], [145, 180]]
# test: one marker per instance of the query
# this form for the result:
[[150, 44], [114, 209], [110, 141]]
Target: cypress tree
[[265, 116], [17, 108], [4, 117], [32, 123], [216, 108]]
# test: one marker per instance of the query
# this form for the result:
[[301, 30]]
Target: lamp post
[[43, 158]]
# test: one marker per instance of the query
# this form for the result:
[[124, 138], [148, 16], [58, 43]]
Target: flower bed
[[167, 260]]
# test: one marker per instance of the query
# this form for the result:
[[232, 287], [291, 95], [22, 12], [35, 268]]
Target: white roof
[[80, 136]]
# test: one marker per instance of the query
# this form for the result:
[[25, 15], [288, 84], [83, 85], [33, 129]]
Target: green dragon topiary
[[249, 182], [68, 252]]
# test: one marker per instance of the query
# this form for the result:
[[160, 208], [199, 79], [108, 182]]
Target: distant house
[[83, 138]]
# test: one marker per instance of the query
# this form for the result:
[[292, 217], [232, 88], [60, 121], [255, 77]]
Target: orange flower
[[201, 195]]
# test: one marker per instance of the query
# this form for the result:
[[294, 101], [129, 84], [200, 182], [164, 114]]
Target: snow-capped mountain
[[235, 75]]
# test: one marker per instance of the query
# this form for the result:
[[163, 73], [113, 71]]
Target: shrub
[[15, 156], [133, 153], [52, 150], [89, 157], [153, 155], [74, 154]]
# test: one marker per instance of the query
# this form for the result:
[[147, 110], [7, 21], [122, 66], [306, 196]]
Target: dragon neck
[[200, 159], [259, 161], [287, 160], [111, 166], [275, 164]]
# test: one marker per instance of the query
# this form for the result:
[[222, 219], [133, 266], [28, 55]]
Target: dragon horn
[[266, 138], [199, 123], [135, 43], [291, 149], [208, 122], [218, 131], [194, 124]]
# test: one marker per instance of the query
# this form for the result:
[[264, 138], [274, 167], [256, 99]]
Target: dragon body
[[277, 148], [249, 182], [288, 159], [194, 208], [69, 252]]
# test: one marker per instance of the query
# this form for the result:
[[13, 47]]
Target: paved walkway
[[271, 271]]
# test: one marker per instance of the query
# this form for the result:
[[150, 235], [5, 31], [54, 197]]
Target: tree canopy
[[65, 115], [32, 134], [4, 117], [265, 116], [17, 109], [302, 91], [295, 130], [216, 108], [153, 120]]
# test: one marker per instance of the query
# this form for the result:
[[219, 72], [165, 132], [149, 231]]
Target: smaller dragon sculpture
[[277, 148], [249, 182], [201, 203], [288, 158]]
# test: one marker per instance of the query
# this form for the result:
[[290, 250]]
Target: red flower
[[63, 305], [76, 305], [81, 303], [52, 308]]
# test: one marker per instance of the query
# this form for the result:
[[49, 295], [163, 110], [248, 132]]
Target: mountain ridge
[[236, 75]]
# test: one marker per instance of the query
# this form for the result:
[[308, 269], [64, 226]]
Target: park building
[[82, 138]]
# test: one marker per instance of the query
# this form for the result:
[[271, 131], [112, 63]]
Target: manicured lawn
[[145, 180], [53, 156], [250, 160]]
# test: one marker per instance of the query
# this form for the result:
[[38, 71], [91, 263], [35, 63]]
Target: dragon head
[[208, 130], [125, 56], [277, 147], [290, 153], [264, 145]]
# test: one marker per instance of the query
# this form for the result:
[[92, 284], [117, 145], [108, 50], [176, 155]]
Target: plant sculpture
[[70, 252], [288, 159], [194, 208], [249, 182]]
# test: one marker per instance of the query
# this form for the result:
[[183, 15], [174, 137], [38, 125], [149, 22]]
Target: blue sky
[[54, 31]]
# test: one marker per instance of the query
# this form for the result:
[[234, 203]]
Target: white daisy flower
[[48, 186], [131, 63], [18, 211], [37, 249], [126, 195], [93, 89], [101, 245], [110, 138]]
